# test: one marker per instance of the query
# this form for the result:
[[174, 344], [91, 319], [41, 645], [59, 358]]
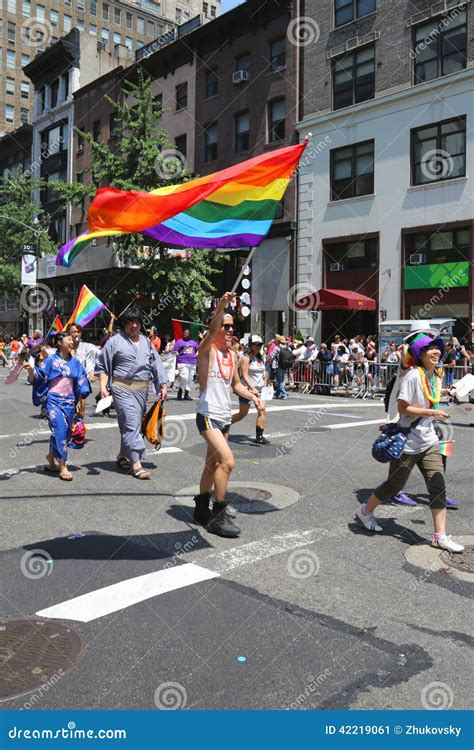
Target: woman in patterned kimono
[[126, 365], [60, 384]]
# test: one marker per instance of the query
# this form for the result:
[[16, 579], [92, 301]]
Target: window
[[104, 35], [213, 11], [25, 59], [210, 143], [93, 7], [11, 6], [438, 152], [441, 246], [80, 143], [65, 80], [278, 54], [180, 144], [68, 3], [67, 23], [140, 25], [54, 18], [113, 132], [128, 42], [241, 132], [354, 77], [150, 28], [9, 113], [25, 90], [117, 16], [352, 171], [242, 62], [117, 38], [212, 82], [105, 11], [186, 15], [348, 10], [80, 179], [42, 99], [81, 5], [128, 20], [80, 25], [439, 48], [26, 8], [276, 120], [96, 130], [23, 115], [179, 13], [40, 13], [181, 96], [93, 29], [11, 31], [352, 255], [11, 58], [139, 43], [11, 86], [54, 93], [205, 8]]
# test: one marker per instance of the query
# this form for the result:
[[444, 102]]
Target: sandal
[[123, 463], [141, 474], [65, 477]]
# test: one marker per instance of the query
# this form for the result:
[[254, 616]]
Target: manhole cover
[[35, 653], [461, 561], [251, 500]]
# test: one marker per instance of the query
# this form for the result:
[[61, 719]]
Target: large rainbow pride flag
[[231, 208]]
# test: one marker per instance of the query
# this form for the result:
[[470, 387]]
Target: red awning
[[335, 299]]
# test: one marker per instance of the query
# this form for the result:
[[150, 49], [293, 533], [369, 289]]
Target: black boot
[[260, 439], [221, 522], [180, 394], [187, 397], [202, 513]]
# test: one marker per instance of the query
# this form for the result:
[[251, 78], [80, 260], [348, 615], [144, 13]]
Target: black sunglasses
[[227, 326]]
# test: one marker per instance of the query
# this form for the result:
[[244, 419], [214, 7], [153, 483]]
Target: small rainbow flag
[[446, 448], [231, 208], [87, 307], [56, 327]]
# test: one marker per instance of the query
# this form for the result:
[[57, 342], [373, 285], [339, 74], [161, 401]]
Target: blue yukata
[[58, 384], [130, 367]]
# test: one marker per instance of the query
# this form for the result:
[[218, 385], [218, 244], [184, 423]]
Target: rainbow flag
[[181, 325], [231, 208], [446, 448], [56, 327], [87, 307]]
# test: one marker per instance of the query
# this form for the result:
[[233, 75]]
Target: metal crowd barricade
[[366, 380]]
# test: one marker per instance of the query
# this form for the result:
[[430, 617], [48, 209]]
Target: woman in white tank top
[[254, 376]]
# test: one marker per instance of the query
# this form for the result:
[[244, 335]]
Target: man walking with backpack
[[281, 361]]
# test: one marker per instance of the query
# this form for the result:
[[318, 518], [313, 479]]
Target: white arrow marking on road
[[121, 595]]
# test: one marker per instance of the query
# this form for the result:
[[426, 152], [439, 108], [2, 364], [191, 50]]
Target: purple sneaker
[[451, 503], [401, 498]]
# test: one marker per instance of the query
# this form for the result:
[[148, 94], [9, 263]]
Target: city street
[[305, 610]]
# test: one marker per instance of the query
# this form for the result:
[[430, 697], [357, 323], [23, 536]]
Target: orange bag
[[153, 423]]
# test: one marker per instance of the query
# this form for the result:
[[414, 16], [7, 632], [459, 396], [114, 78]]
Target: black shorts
[[207, 423]]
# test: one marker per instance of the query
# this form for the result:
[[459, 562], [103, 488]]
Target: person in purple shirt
[[186, 349], [34, 344]]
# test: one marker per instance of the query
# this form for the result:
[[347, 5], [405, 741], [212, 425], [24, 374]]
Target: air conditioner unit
[[417, 259], [94, 242], [336, 267], [80, 148], [240, 76]]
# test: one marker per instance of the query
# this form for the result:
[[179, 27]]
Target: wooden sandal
[[123, 463], [141, 474]]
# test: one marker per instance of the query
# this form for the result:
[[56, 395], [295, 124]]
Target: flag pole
[[247, 261]]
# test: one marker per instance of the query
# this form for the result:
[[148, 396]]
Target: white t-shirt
[[423, 436]]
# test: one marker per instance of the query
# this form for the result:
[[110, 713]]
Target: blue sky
[[229, 4]]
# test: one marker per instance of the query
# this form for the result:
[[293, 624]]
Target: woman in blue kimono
[[60, 384]]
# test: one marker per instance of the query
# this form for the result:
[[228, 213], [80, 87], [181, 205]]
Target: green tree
[[141, 157], [22, 221]]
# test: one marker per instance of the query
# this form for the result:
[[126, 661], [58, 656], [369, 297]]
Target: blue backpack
[[391, 443]]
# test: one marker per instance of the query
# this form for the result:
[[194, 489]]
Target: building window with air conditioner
[[438, 151], [242, 68], [352, 255], [352, 171], [278, 53]]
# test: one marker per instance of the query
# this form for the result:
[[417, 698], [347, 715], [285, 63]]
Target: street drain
[[35, 653], [460, 560], [251, 500]]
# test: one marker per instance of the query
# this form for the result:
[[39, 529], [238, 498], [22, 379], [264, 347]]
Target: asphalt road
[[304, 610]]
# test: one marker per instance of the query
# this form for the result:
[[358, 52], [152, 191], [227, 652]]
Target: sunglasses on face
[[228, 326]]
